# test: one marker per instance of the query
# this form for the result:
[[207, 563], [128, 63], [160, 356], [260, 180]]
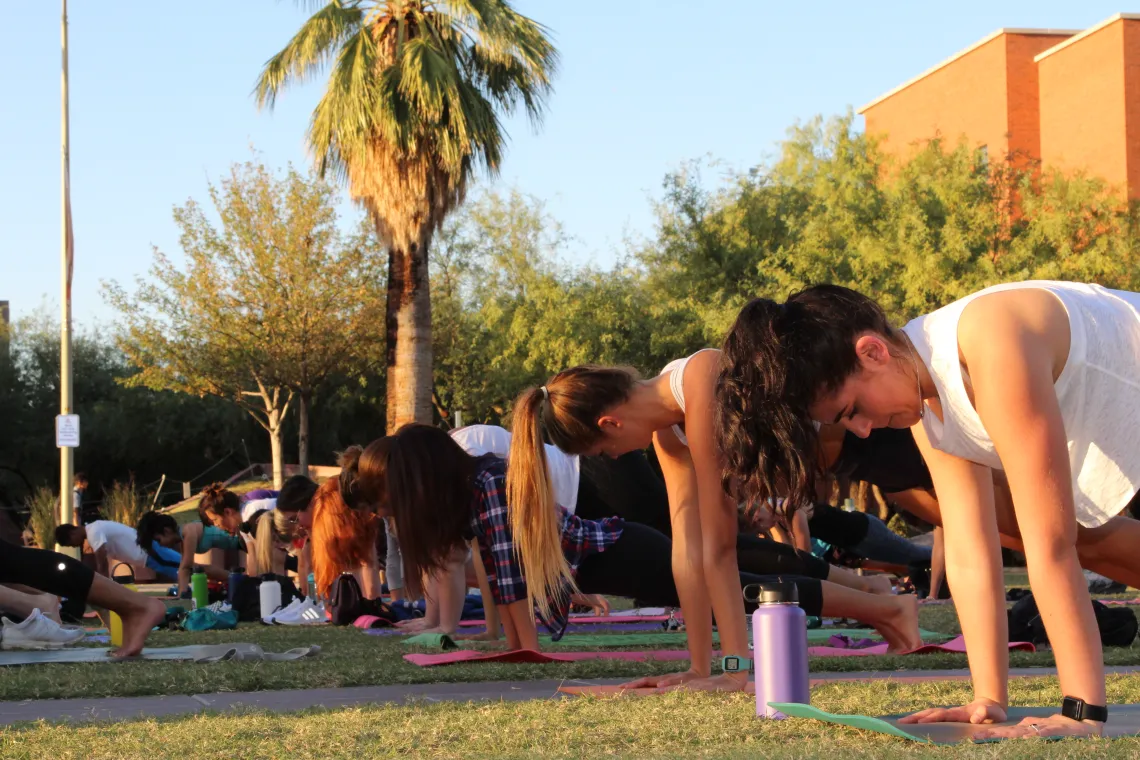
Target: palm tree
[[411, 110]]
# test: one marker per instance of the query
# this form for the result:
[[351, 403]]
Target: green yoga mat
[[1123, 720]]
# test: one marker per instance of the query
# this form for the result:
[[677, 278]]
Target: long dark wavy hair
[[778, 359]]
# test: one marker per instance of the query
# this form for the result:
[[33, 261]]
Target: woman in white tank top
[[592, 410], [1040, 380]]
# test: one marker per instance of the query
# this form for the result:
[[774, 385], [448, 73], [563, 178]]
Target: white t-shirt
[[478, 440], [250, 508], [120, 541]]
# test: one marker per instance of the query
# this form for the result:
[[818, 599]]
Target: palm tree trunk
[[306, 397], [408, 327]]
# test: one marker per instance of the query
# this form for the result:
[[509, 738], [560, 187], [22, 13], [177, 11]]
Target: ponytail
[[534, 517], [264, 539]]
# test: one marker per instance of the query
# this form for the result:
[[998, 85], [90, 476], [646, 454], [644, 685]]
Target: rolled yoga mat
[[199, 653], [580, 619], [1123, 720]]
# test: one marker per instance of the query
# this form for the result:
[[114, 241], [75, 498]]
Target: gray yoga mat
[[203, 653], [1123, 720]]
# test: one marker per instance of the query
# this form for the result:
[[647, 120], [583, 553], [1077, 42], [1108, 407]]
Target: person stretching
[[114, 542], [610, 411], [1034, 379]]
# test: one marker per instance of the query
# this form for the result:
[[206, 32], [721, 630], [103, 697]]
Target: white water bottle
[[270, 592]]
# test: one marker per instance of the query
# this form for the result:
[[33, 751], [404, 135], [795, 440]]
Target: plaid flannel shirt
[[490, 526]]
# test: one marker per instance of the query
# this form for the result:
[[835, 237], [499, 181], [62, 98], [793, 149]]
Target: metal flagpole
[[66, 453]]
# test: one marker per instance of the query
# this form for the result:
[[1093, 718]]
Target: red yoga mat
[[955, 646], [610, 619], [529, 656]]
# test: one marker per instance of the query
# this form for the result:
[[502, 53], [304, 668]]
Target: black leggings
[[46, 571], [639, 566], [628, 487]]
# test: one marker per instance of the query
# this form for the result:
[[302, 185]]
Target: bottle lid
[[781, 592]]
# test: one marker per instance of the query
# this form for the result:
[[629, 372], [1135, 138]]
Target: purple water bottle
[[779, 643]]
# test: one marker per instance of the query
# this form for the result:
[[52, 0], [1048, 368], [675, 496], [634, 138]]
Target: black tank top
[[888, 458]]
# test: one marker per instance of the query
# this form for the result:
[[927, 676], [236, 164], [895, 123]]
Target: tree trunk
[[408, 327], [306, 397], [277, 446]]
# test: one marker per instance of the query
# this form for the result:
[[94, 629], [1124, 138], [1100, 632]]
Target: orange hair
[[342, 538]]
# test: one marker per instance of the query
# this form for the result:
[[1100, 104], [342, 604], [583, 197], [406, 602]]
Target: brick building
[[1069, 98]]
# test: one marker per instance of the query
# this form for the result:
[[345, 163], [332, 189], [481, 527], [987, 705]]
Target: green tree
[[411, 110], [268, 307]]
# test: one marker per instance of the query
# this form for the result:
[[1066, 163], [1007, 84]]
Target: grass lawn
[[351, 658], [674, 725]]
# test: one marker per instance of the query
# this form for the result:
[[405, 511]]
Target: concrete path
[[127, 708]]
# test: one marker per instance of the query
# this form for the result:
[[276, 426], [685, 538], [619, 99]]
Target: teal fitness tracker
[[733, 664]]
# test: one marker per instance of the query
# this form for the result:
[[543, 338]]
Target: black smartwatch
[[1078, 709]]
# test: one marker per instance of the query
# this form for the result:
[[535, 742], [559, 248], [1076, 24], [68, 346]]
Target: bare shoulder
[[1023, 319], [700, 374]]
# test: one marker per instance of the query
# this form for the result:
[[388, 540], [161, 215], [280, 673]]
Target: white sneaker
[[38, 632], [287, 611], [219, 607], [307, 614]]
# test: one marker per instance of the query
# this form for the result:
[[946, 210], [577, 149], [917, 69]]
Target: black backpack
[[1117, 625], [247, 595], [347, 603]]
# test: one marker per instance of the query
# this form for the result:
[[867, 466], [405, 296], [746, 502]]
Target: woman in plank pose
[[1034, 379], [609, 410]]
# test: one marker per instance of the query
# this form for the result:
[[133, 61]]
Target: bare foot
[[900, 627], [137, 624], [879, 584]]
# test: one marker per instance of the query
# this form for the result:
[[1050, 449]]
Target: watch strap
[[1078, 709], [734, 664]]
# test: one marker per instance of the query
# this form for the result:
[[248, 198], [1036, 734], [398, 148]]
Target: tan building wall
[[1085, 104], [987, 93]]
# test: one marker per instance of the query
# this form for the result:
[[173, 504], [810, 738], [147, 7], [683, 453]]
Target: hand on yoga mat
[[979, 711], [1031, 728], [415, 625], [723, 682], [598, 604], [669, 679]]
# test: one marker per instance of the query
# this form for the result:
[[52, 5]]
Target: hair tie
[[545, 394]]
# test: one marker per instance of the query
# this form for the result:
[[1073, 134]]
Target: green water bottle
[[198, 589]]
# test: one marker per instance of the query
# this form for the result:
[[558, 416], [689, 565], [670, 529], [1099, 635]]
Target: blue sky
[[160, 105]]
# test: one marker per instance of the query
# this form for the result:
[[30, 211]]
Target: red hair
[[342, 538]]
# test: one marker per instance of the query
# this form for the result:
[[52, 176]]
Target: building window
[[982, 155]]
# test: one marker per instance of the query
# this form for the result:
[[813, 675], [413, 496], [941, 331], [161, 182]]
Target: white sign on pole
[[67, 431]]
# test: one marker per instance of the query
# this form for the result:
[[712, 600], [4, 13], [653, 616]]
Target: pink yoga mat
[[955, 646]]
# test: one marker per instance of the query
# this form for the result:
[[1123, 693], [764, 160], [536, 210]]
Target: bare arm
[[1017, 403], [102, 563], [191, 535], [801, 533], [490, 609], [973, 564], [688, 560], [717, 511]]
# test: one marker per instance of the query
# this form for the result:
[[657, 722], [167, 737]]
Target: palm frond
[[310, 49]]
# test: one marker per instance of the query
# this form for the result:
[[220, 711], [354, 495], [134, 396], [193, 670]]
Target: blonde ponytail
[[532, 512], [263, 542]]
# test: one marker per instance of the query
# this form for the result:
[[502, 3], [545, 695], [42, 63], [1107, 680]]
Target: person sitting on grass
[[157, 531], [112, 542]]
